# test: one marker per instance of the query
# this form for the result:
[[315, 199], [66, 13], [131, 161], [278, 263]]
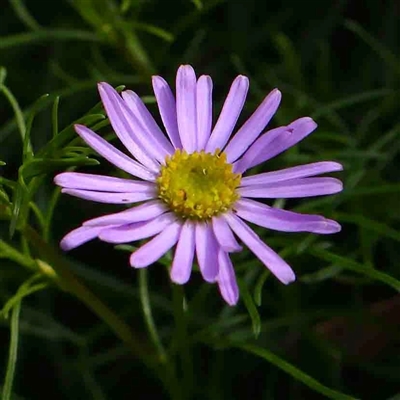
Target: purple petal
[[112, 198], [156, 247], [249, 132], [184, 253], [113, 155], [229, 115], [206, 250], [79, 180], [305, 187], [144, 212], [282, 220], [224, 235], [227, 280], [126, 126], [167, 107], [137, 231], [264, 253], [186, 107], [300, 171], [204, 110], [297, 131], [79, 236], [147, 121], [260, 146]]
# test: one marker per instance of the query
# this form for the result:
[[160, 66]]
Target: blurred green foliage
[[333, 332]]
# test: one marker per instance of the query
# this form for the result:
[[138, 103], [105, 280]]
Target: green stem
[[148, 317], [181, 340], [19, 116], [7, 251], [12, 358]]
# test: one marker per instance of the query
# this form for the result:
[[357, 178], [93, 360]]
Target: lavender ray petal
[[224, 235], [126, 127], [229, 115], [186, 107], [295, 188], [79, 180], [264, 253], [206, 251], [300, 171], [147, 121], [184, 253], [297, 131], [204, 110], [227, 280], [137, 231], [79, 236], [112, 198], [113, 155], [131, 128], [156, 247], [282, 220], [167, 107], [144, 212], [260, 146], [251, 129]]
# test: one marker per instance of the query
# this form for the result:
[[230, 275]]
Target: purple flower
[[190, 183]]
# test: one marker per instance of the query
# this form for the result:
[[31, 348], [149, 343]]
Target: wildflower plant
[[192, 185]]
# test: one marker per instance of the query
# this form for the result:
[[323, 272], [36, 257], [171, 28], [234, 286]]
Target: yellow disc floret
[[199, 185]]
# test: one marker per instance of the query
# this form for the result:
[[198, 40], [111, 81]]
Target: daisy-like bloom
[[191, 182]]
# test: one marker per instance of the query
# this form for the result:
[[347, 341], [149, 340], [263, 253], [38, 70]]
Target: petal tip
[[288, 278], [66, 244], [334, 226], [232, 302], [178, 278], [58, 179], [136, 262]]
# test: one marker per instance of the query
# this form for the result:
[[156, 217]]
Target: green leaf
[[148, 315], [24, 15], [54, 115], [322, 275], [251, 307], [12, 356], [290, 58], [4, 197], [356, 267], [369, 224], [387, 56], [44, 35], [20, 203], [259, 287], [154, 30], [39, 166], [19, 116], [62, 138], [39, 105], [27, 288], [294, 372], [3, 75]]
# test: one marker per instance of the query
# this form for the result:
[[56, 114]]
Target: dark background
[[337, 61]]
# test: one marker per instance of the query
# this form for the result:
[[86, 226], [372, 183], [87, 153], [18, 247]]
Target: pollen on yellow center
[[198, 186]]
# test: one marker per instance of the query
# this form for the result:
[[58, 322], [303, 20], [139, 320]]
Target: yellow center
[[199, 185]]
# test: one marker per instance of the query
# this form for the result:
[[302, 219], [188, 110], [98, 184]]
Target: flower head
[[191, 183]]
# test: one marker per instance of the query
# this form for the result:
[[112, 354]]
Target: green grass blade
[[12, 356], [294, 372]]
